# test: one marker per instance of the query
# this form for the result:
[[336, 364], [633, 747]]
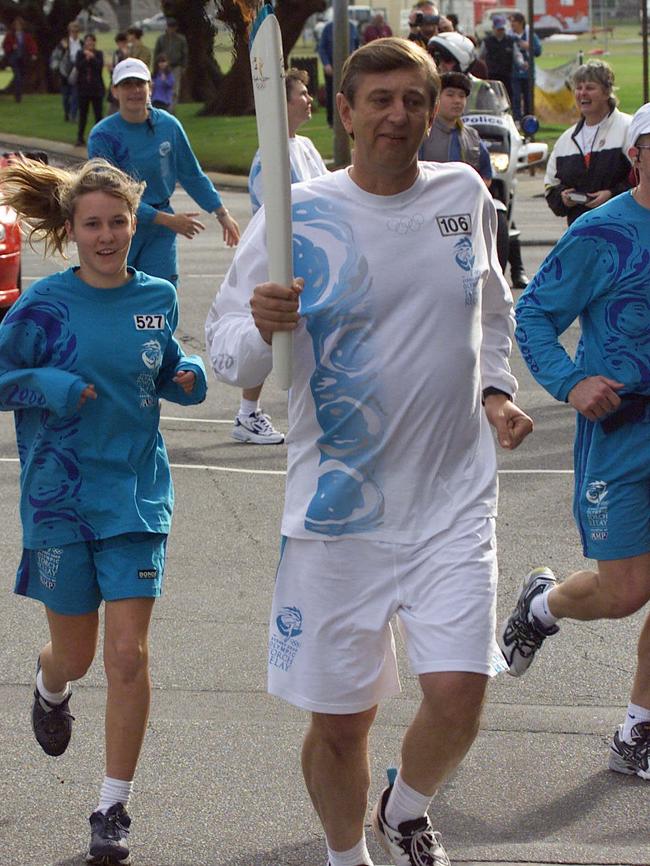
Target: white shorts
[[331, 646]]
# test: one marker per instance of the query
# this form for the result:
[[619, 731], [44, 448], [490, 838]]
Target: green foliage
[[228, 143]]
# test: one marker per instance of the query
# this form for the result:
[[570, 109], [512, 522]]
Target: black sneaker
[[522, 635], [51, 723], [413, 843], [108, 834], [631, 758]]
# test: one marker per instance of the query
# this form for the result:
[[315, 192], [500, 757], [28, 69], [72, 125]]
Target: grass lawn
[[228, 143]]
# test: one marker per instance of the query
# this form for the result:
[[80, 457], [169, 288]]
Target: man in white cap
[[151, 145], [599, 272]]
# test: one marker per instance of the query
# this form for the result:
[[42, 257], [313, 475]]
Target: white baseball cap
[[640, 125], [131, 68]]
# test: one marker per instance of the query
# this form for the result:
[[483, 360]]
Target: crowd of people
[[391, 493]]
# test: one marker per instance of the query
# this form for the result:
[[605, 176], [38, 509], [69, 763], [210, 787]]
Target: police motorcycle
[[489, 111]]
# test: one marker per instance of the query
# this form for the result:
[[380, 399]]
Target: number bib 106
[[456, 224]]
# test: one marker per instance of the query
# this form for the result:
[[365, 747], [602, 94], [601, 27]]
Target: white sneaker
[[257, 429], [413, 843], [634, 757]]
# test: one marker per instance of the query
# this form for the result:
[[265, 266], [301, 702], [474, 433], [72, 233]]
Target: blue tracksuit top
[[102, 469], [158, 152], [598, 271]]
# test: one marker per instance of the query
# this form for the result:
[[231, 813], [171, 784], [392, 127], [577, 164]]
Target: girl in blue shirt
[[150, 145], [85, 356]]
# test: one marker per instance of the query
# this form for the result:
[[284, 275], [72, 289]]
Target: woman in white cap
[[151, 145], [598, 272]]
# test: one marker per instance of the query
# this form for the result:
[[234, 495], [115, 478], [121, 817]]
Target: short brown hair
[[386, 55], [295, 76], [599, 72]]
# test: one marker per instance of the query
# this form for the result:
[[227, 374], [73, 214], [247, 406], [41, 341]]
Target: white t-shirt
[[305, 163], [406, 317]]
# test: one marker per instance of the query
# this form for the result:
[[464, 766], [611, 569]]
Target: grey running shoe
[[521, 635], [51, 723], [257, 429], [108, 837], [413, 843], [631, 758]]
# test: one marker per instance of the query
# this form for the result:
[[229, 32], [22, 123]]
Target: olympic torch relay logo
[[283, 648], [257, 68]]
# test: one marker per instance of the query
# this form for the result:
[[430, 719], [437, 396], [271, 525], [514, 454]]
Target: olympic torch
[[267, 68]]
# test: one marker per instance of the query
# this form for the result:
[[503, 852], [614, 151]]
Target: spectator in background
[[120, 53], [520, 77], [162, 84], [588, 165], [453, 20], [326, 54], [251, 423], [74, 47], [174, 45], [376, 29], [501, 52], [90, 81], [137, 48], [423, 23], [20, 52]]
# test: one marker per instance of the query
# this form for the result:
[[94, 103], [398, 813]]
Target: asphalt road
[[219, 780]]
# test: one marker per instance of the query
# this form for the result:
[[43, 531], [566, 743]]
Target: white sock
[[353, 857], [51, 697], [405, 803], [540, 610], [634, 715], [114, 791], [247, 407]]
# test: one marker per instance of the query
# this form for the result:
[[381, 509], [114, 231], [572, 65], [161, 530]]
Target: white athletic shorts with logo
[[331, 646]]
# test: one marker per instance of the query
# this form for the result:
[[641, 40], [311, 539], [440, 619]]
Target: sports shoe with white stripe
[[256, 429], [521, 635], [631, 758], [413, 843]]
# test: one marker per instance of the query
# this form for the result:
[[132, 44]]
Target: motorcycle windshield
[[487, 97]]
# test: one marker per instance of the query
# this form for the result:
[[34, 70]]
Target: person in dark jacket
[[502, 54], [90, 64], [588, 165]]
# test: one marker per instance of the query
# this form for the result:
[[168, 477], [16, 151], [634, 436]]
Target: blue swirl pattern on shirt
[[57, 477], [344, 384]]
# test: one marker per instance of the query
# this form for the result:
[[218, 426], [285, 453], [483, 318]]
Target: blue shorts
[[154, 252], [611, 503], [75, 578]]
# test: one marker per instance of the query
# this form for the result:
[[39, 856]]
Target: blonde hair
[[45, 197]]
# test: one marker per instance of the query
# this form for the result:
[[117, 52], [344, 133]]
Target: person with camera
[[588, 165]]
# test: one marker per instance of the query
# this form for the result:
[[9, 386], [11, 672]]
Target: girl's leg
[[126, 661], [71, 649]]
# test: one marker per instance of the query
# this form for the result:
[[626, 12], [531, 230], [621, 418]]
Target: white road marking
[[215, 468]]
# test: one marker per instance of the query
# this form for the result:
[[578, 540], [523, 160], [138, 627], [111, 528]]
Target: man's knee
[[342, 733], [455, 695]]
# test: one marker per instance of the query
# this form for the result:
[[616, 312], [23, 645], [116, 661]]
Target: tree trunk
[[235, 94], [123, 13], [203, 76]]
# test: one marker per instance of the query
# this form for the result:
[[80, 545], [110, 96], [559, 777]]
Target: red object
[[10, 43], [10, 245]]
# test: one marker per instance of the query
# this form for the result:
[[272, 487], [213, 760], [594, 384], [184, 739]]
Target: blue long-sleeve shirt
[[158, 152], [101, 469], [599, 272], [326, 42]]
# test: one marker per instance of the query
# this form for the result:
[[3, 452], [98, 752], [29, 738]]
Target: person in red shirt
[[20, 50], [377, 28]]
